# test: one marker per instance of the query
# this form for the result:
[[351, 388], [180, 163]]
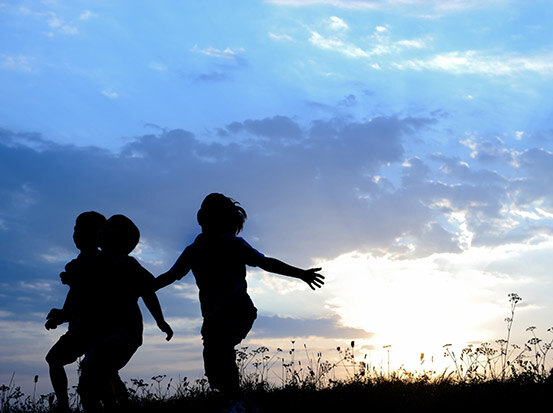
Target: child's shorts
[[67, 349], [230, 328], [111, 352]]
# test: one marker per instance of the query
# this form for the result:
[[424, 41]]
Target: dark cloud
[[310, 191], [213, 76], [275, 327], [277, 127], [538, 182]]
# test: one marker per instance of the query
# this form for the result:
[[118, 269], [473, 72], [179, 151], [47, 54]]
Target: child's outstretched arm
[[152, 304], [310, 276], [165, 279], [177, 271]]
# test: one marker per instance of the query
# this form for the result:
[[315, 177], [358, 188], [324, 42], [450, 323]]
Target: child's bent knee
[[53, 359]]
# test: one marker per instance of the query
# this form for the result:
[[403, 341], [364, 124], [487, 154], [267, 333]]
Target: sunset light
[[404, 147]]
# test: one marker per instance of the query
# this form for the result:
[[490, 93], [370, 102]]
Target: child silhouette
[[116, 320], [74, 342], [218, 259]]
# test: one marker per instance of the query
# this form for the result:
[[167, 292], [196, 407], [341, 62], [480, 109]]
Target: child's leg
[[220, 366], [220, 335], [66, 351], [99, 379]]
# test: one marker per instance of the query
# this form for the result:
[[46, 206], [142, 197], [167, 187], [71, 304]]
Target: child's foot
[[234, 406], [240, 406], [61, 408]]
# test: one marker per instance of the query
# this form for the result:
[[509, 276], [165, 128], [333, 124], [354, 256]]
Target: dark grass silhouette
[[309, 387], [476, 382]]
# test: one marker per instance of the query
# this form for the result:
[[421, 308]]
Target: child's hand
[[51, 324], [166, 328], [55, 313], [313, 278], [65, 278], [53, 319]]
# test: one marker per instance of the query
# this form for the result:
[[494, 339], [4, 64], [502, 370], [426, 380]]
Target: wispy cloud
[[20, 63], [110, 94], [337, 23], [281, 36], [86, 15], [476, 62], [225, 54], [378, 44], [437, 5], [59, 25], [335, 44]]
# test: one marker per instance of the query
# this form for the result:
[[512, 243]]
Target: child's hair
[[221, 214], [121, 234], [87, 226], [91, 220]]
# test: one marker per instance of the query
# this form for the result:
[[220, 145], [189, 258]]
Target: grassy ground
[[499, 377], [386, 394]]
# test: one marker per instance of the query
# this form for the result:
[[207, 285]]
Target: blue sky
[[405, 146]]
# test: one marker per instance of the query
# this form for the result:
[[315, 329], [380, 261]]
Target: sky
[[405, 146]]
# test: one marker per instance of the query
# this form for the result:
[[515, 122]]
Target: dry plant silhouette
[[481, 377]]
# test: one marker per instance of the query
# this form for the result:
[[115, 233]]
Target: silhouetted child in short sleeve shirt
[[74, 342], [116, 320], [218, 259]]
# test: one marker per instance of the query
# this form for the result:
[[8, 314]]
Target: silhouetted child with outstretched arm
[[75, 341], [218, 259], [116, 318]]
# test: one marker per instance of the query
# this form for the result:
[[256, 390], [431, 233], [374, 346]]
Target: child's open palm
[[313, 278]]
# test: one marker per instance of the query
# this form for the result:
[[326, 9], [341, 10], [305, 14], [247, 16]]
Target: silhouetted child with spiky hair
[[74, 342], [117, 317], [218, 259]]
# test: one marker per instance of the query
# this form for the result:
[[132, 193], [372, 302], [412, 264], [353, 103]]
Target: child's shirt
[[78, 302], [123, 281], [104, 296], [219, 267]]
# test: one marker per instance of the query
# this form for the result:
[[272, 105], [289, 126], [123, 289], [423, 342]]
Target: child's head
[[221, 215], [119, 236], [87, 226]]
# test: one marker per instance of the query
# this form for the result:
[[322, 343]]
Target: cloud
[[86, 15], [283, 327], [336, 23], [277, 127], [222, 64], [313, 190], [19, 63], [58, 25], [110, 94], [425, 5], [281, 37], [281, 160], [378, 44], [476, 62], [214, 76], [223, 54], [335, 44]]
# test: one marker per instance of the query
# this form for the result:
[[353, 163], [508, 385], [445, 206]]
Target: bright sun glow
[[417, 306]]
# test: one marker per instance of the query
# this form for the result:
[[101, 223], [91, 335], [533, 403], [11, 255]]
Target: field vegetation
[[499, 376]]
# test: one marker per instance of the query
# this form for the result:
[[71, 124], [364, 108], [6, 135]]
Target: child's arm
[[152, 304], [310, 276], [54, 318], [165, 279], [177, 271], [57, 316]]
